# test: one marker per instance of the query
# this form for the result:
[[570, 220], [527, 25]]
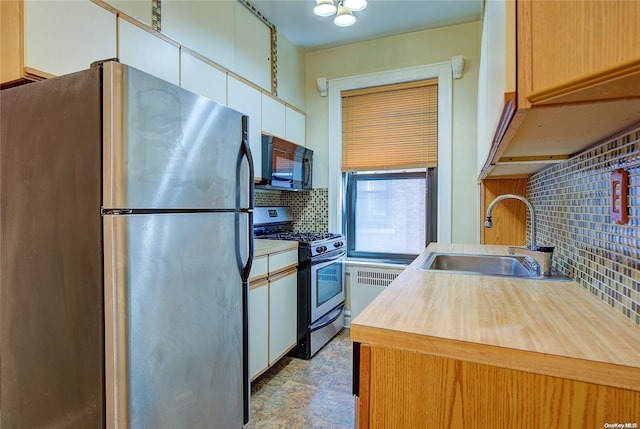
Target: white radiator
[[366, 283]]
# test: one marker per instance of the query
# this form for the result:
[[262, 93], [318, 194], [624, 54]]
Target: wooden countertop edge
[[606, 374]]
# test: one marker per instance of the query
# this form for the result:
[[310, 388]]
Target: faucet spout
[[532, 216]]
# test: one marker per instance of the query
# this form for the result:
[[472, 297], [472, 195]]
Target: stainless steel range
[[321, 277]]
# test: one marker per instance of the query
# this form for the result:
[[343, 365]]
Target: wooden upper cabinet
[[577, 83], [571, 51], [42, 39]]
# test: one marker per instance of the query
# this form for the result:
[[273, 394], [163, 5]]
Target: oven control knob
[[338, 244], [321, 249]]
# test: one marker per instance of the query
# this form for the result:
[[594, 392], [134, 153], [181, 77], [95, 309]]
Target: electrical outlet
[[619, 192]]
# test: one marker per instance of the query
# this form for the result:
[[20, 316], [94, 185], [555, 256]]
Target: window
[[390, 215], [389, 162]]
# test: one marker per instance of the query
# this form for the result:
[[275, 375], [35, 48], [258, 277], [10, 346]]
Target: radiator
[[366, 284]]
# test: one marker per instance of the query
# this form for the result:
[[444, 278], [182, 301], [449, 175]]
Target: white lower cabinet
[[273, 303], [283, 304], [258, 330]]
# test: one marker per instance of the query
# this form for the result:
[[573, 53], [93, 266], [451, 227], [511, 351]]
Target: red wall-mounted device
[[619, 191]]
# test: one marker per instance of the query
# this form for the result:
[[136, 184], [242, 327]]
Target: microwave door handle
[[307, 171]]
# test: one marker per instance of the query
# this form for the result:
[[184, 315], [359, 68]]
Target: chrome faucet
[[532, 216], [542, 255]]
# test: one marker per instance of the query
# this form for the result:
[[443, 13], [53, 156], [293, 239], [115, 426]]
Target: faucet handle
[[545, 249]]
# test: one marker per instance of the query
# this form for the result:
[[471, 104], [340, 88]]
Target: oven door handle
[[329, 258], [327, 319]]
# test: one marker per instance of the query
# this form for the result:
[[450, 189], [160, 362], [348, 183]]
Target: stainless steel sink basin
[[487, 265]]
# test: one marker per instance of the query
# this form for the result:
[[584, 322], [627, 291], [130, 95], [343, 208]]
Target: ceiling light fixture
[[324, 8], [355, 5], [344, 16]]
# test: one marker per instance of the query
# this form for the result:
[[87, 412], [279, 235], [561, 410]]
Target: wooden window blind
[[390, 127]]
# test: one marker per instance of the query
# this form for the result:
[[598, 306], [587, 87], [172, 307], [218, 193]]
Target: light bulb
[[344, 18], [355, 5], [324, 8]]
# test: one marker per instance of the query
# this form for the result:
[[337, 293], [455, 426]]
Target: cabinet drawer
[[259, 268], [283, 260]]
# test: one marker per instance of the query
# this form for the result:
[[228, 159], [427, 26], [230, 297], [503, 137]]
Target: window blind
[[390, 127]]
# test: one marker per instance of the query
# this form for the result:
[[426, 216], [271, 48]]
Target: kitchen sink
[[486, 265], [517, 266]]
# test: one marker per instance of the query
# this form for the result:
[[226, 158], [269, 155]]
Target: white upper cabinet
[[206, 27], [273, 117], [496, 75], [280, 120], [252, 48], [225, 32], [203, 79], [295, 126], [145, 51], [247, 99], [137, 9], [65, 37]]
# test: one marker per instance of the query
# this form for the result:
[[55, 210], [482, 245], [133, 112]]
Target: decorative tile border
[[156, 15], [572, 213], [310, 209]]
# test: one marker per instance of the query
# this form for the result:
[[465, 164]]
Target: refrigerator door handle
[[245, 267], [245, 153]]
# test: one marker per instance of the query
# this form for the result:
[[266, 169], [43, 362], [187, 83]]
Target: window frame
[[351, 180], [441, 71]]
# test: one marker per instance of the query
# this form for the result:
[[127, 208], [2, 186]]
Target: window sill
[[380, 263]]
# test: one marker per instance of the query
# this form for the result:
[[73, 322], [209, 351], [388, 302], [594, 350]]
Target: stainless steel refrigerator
[[126, 245]]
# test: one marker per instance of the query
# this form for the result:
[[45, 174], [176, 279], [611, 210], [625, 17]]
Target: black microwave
[[285, 165]]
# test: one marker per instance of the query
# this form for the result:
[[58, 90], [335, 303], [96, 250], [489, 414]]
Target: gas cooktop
[[302, 237]]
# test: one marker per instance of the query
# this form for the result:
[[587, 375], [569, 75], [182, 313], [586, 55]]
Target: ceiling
[[381, 18]]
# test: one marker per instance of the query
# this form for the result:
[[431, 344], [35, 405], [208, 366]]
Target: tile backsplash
[[310, 209], [572, 204]]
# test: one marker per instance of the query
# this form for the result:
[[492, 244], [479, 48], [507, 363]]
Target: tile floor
[[301, 394]]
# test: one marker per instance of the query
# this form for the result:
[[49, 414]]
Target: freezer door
[[175, 309], [166, 147]]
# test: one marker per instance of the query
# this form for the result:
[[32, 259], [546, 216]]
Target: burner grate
[[303, 237]]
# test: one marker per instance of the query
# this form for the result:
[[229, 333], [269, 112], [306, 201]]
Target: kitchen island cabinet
[[273, 297], [571, 79], [452, 350]]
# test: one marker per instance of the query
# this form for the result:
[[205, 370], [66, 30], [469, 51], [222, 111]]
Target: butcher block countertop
[[554, 328], [264, 247]]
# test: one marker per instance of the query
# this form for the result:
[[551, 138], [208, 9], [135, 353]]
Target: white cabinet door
[[207, 27], [273, 117], [147, 52], [283, 302], [258, 330], [252, 39], [140, 10], [63, 37], [203, 79], [295, 126], [248, 100]]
